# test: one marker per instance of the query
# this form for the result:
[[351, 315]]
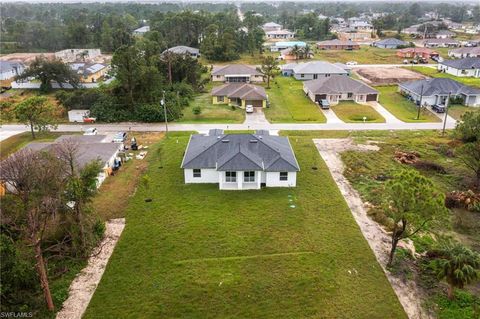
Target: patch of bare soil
[[388, 75], [84, 285], [378, 239]]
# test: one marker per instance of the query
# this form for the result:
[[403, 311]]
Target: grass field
[[402, 108], [456, 111], [352, 112], [435, 74], [241, 254], [211, 113], [366, 55], [16, 142], [288, 103], [245, 58]]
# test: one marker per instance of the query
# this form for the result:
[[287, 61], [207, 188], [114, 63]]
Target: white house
[[315, 70], [233, 73], [436, 91], [271, 26], [465, 52], [280, 34], [10, 69], [141, 31], [466, 67], [240, 161]]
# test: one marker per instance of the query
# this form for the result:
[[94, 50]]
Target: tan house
[[240, 94], [90, 72], [355, 36], [235, 73]]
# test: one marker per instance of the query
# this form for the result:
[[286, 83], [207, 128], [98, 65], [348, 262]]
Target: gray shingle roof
[[463, 64], [337, 84], [391, 41], [235, 69], [318, 67], [240, 152], [338, 42], [81, 139], [182, 49], [441, 86], [243, 91]]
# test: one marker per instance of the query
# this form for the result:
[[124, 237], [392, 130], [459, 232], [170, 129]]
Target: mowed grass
[[365, 55], [352, 112], [404, 109], [456, 111], [211, 113], [197, 252], [16, 142], [288, 103], [433, 72]]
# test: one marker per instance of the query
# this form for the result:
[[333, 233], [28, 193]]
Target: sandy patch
[[84, 285], [387, 75], [378, 239]]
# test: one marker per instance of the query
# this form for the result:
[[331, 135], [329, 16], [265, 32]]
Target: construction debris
[[406, 157], [463, 199]]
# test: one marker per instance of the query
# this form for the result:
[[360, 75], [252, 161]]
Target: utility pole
[[165, 113], [420, 105], [447, 102]]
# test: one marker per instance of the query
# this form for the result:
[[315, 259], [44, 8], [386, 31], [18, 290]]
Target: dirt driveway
[[377, 238]]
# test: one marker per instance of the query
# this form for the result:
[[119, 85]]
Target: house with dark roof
[[338, 88], [240, 161], [465, 52], [337, 44], [316, 69], [466, 67], [390, 43], [240, 94], [234, 73], [184, 50], [435, 91], [441, 43]]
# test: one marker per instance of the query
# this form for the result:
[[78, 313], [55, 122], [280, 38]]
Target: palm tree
[[458, 265], [296, 51], [306, 51]]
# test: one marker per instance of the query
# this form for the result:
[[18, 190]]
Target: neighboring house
[[338, 45], [282, 45], [287, 55], [9, 70], [280, 34], [444, 34], [240, 94], [338, 88], [441, 43], [390, 43], [417, 52], [184, 50], [89, 72], [236, 73], [141, 31], [466, 67], [316, 69], [240, 161], [436, 91], [271, 26], [465, 52], [361, 25], [354, 35], [74, 55]]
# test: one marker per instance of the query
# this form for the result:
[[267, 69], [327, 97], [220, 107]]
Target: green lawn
[[197, 252], [366, 55], [456, 111], [352, 112], [435, 74], [16, 142], [401, 107], [211, 113], [288, 103]]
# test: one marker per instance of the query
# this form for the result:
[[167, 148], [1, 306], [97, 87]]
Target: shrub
[[149, 113], [106, 109], [197, 110], [468, 129]]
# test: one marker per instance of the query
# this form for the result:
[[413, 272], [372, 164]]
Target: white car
[[351, 63], [91, 131], [249, 109]]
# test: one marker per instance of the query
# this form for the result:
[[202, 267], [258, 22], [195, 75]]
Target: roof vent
[[225, 141], [253, 141], [260, 137]]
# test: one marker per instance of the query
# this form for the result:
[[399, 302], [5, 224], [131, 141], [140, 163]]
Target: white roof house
[[141, 31], [10, 69]]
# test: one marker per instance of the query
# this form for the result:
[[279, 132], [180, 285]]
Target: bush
[[197, 110], [78, 99], [106, 109], [468, 129], [149, 113]]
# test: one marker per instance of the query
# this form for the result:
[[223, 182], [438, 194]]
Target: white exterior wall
[[458, 72], [9, 74], [207, 176], [273, 180]]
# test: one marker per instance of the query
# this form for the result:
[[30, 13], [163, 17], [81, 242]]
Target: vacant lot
[[366, 55], [242, 254], [388, 76], [288, 103], [401, 107], [352, 112], [211, 113], [456, 111], [432, 72]]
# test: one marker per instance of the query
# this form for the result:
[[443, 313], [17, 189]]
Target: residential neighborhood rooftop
[[338, 84], [465, 63], [242, 91], [318, 67], [235, 69], [429, 87]]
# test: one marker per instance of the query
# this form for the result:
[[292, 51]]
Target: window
[[231, 177], [197, 172], [249, 177], [302, 75], [284, 176], [220, 98], [315, 76], [350, 95]]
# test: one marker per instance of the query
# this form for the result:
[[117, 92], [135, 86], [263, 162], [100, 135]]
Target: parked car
[[91, 131], [405, 61], [423, 61], [249, 109], [351, 63], [438, 108], [120, 137], [324, 104], [88, 119]]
